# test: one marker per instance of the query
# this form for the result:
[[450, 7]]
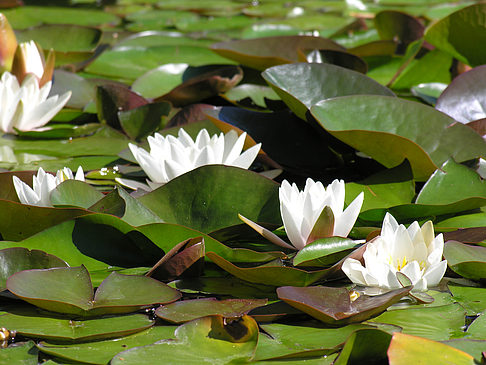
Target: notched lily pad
[[334, 306], [69, 290], [466, 260], [17, 259], [187, 310]]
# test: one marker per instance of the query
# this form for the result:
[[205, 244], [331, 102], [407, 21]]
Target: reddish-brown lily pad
[[334, 305]]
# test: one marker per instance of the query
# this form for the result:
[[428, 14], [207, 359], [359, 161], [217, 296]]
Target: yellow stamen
[[353, 295]]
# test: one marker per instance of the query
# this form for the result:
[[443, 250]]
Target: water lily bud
[[29, 59], [8, 44]]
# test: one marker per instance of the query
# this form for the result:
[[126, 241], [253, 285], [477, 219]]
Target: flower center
[[400, 264]]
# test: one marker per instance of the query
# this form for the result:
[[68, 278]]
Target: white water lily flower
[[26, 107], [413, 251], [172, 156], [33, 60], [43, 184], [301, 210]]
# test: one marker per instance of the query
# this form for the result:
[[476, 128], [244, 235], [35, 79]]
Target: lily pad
[[63, 38], [17, 259], [70, 291], [333, 306], [23, 354], [101, 352], [324, 252], [467, 260], [301, 85], [285, 341], [357, 349], [262, 53], [464, 99], [435, 323], [34, 323], [363, 120], [221, 193], [131, 62], [187, 310], [451, 183], [472, 299], [407, 349], [74, 193], [210, 338], [459, 34]]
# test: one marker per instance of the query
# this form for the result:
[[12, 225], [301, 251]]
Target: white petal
[[24, 192], [246, 158], [292, 227], [345, 222], [412, 270], [434, 274], [354, 271]]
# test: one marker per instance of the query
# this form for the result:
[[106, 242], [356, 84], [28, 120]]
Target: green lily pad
[[160, 80], [209, 338], [472, 299], [333, 306], [74, 193], [268, 274], [61, 131], [407, 349], [69, 290], [392, 25], [384, 189], [19, 221], [459, 34], [361, 121], [301, 85], [324, 252], [262, 53], [23, 354], [451, 183], [435, 323], [357, 347], [472, 347], [63, 38], [83, 91], [142, 121], [256, 93], [31, 322], [28, 16], [429, 91], [222, 192], [17, 259], [296, 341], [466, 260], [187, 310], [132, 62], [101, 352], [118, 202]]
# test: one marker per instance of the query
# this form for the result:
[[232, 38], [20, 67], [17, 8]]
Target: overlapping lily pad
[[218, 191], [357, 120], [467, 260], [69, 290], [34, 323], [17, 259], [301, 85], [209, 338]]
